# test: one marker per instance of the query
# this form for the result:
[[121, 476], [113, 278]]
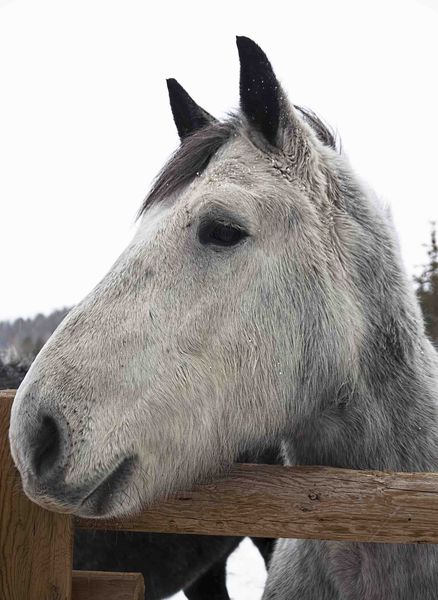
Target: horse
[[262, 301], [168, 562]]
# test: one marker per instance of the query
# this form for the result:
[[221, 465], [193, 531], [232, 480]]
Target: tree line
[[427, 287], [22, 339]]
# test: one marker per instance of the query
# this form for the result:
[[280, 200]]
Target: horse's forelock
[[189, 161], [196, 150]]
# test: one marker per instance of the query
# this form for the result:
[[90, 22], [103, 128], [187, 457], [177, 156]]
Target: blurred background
[[85, 126]]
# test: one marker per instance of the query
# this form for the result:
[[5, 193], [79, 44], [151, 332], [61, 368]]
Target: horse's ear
[[188, 116], [261, 97]]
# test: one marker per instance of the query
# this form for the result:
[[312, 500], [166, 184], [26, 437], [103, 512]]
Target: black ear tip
[[242, 40], [177, 94], [248, 48], [188, 116], [173, 85]]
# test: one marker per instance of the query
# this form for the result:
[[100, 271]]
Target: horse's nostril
[[47, 451]]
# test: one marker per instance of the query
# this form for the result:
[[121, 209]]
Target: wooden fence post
[[36, 546]]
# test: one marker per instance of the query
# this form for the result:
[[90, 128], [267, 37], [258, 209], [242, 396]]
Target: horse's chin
[[113, 496], [110, 496]]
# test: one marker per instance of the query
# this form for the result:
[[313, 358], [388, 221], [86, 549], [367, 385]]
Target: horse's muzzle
[[42, 451]]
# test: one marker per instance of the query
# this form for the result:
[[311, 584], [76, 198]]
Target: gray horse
[[261, 301]]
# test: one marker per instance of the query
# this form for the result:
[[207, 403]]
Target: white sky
[[85, 123]]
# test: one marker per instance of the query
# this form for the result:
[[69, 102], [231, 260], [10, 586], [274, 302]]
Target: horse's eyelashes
[[218, 233]]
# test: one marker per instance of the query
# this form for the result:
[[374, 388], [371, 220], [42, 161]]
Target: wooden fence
[[256, 500]]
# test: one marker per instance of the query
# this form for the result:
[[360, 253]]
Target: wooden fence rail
[[256, 500], [299, 502]]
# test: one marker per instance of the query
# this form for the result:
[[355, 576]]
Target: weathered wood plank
[[300, 502], [35, 545], [98, 585]]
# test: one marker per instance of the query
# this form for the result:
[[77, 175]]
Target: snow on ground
[[246, 573]]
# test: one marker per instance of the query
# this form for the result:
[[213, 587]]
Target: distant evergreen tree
[[26, 337], [427, 289], [28, 348], [11, 375], [37, 345], [20, 342]]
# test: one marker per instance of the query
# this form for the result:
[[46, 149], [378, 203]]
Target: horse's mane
[[323, 132], [196, 151]]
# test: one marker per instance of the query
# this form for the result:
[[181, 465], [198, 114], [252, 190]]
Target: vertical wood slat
[[36, 546], [98, 585]]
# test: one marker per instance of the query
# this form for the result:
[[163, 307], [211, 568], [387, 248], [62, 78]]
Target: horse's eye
[[221, 234]]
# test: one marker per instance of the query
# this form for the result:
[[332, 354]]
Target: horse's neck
[[386, 423]]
